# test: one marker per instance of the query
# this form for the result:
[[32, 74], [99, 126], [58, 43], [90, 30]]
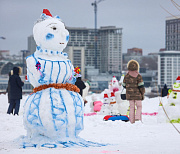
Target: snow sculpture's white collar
[[50, 53]]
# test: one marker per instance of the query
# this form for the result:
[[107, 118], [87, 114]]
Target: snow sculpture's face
[[106, 101], [51, 34], [112, 99], [174, 95], [94, 98], [176, 86], [114, 82]]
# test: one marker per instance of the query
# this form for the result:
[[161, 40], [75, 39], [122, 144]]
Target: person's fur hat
[[133, 65], [20, 70], [17, 70]]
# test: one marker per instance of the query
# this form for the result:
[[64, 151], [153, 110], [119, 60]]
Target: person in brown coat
[[135, 90]]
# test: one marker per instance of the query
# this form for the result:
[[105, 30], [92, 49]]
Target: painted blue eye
[[67, 38], [57, 17], [49, 36]]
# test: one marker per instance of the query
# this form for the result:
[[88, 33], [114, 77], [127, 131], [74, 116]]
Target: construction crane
[[95, 28]]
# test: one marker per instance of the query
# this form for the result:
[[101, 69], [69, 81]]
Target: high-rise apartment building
[[168, 67], [169, 59], [109, 46], [110, 49], [77, 57], [85, 37], [173, 33]]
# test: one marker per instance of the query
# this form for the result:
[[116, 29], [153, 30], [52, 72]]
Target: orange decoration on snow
[[66, 86]]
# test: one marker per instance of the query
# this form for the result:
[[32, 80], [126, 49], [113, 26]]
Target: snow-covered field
[[150, 137]]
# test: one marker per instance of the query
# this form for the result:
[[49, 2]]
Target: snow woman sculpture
[[55, 109]]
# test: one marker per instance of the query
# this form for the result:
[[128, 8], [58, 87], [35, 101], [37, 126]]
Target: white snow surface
[[149, 137]]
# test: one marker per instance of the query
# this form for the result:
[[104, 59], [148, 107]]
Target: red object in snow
[[46, 11], [151, 114], [115, 89], [107, 117], [112, 94], [105, 96], [26, 77], [178, 78], [90, 114]]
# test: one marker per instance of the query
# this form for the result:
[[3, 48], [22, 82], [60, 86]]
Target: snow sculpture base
[[54, 113], [41, 141]]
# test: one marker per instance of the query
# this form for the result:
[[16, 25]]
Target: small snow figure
[[174, 94], [113, 105], [105, 107], [114, 85]]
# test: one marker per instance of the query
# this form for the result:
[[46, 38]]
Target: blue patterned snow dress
[[55, 113]]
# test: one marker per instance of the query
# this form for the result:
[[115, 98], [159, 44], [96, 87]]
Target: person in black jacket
[[80, 84], [164, 91], [15, 90], [10, 73]]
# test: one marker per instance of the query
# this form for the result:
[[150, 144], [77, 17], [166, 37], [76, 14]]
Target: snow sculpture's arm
[[33, 74], [71, 79]]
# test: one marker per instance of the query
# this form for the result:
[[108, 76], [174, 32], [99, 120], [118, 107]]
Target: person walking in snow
[[135, 90], [15, 91]]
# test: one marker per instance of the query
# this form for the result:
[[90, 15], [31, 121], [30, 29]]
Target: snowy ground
[[151, 137]]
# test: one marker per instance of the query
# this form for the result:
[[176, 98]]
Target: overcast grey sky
[[143, 21]]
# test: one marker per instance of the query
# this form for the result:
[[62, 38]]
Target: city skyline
[[143, 22]]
